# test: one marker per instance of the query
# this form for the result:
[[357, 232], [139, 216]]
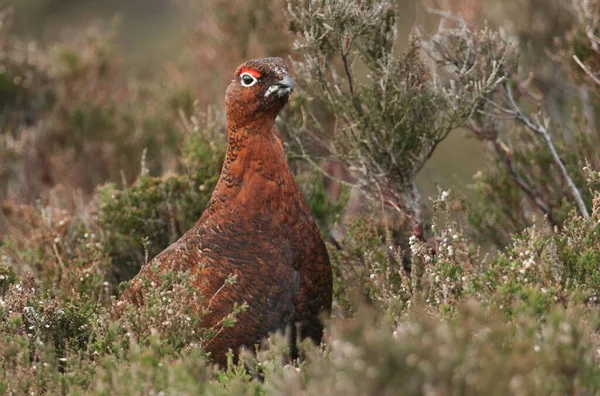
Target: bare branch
[[447, 15], [306, 157], [586, 70], [505, 156], [540, 129], [348, 73]]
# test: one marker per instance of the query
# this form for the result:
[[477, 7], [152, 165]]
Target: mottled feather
[[257, 226]]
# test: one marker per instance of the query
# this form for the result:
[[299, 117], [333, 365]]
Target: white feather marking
[[271, 89]]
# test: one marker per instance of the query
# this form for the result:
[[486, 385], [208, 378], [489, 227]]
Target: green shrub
[[420, 307], [144, 218]]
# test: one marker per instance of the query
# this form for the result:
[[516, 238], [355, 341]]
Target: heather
[[488, 285]]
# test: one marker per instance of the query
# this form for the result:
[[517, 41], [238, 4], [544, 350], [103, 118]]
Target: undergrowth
[[424, 306]]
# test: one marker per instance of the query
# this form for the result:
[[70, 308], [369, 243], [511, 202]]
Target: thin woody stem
[[540, 129]]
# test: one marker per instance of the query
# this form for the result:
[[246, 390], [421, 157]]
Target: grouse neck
[[255, 175], [252, 121], [252, 154]]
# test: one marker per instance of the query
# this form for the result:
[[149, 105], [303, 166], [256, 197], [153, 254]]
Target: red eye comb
[[250, 71]]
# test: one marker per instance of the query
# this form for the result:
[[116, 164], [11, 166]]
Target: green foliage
[[170, 312], [416, 310], [70, 108], [143, 219], [389, 117], [474, 353], [325, 209], [537, 156], [22, 74], [57, 248], [502, 208], [7, 278]]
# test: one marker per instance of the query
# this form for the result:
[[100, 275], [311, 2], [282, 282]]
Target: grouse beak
[[286, 82], [283, 87]]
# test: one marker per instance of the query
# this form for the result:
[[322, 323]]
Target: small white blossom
[[413, 243]]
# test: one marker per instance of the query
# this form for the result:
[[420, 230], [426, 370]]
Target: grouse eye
[[248, 79]]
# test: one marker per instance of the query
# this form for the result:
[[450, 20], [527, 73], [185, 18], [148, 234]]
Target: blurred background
[[97, 85], [151, 31], [154, 39]]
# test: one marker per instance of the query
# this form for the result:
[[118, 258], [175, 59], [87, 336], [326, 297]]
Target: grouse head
[[259, 90]]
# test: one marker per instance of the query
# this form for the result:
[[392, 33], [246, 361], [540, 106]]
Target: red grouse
[[257, 226]]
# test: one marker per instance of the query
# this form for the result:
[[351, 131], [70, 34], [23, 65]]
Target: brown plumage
[[257, 226]]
